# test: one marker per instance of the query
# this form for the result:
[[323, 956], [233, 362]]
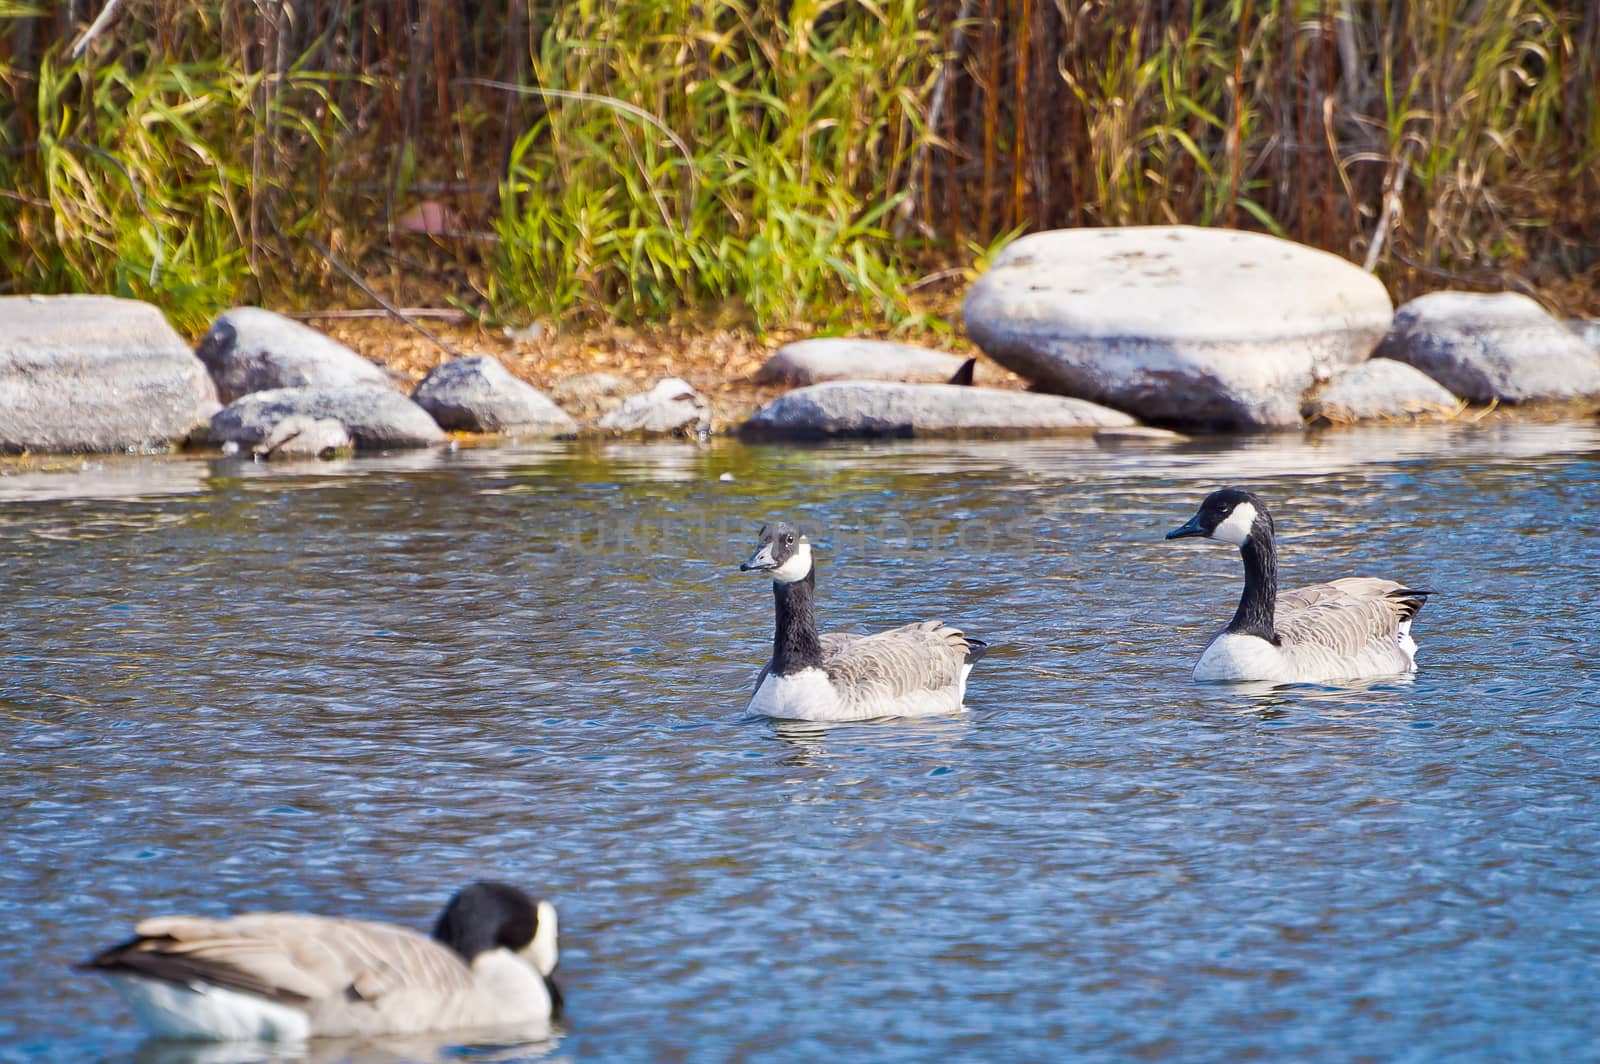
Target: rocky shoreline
[[1112, 331]]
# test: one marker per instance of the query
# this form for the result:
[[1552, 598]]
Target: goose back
[[916, 664], [1358, 622]]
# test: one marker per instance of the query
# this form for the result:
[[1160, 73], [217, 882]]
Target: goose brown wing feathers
[[927, 656], [288, 957], [1347, 616]]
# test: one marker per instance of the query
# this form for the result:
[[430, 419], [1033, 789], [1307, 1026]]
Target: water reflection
[[500, 1047], [99, 477], [812, 742], [1265, 701], [1229, 459]]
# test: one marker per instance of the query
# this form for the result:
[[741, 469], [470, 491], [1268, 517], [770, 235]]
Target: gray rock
[[671, 408], [813, 361], [591, 393], [94, 373], [478, 394], [252, 350], [884, 408], [1379, 390], [1205, 327], [1502, 346], [374, 417], [1587, 330], [304, 437]]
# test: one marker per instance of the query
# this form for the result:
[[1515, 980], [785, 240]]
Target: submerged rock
[[304, 437], [250, 350], [1483, 347], [1205, 327], [813, 361], [884, 408], [374, 417], [478, 394], [1379, 390], [95, 373], [671, 408]]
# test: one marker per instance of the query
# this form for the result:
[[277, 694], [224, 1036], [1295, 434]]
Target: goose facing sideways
[[292, 976], [1346, 629], [913, 671]]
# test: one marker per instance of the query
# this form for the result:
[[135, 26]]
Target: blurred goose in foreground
[[291, 976], [1346, 629], [918, 670]]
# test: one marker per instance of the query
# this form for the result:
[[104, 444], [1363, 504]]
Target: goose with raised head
[[1348, 629], [913, 671], [292, 976]]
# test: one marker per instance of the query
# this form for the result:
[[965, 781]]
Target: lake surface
[[353, 687]]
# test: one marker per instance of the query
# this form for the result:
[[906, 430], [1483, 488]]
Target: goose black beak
[[1189, 528], [760, 561]]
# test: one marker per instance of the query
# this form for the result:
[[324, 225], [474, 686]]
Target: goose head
[[782, 550], [487, 916], [1231, 516]]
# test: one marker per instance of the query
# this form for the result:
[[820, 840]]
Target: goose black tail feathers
[[1411, 600]]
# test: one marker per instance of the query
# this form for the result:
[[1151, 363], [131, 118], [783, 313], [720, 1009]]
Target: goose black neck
[[1255, 613], [795, 646]]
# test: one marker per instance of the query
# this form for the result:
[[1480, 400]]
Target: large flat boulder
[[478, 394], [376, 418], [95, 373], [1211, 328], [1485, 347], [248, 349], [840, 358], [885, 408], [1379, 390]]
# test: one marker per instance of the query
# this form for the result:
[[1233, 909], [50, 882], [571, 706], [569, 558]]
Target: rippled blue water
[[351, 688]]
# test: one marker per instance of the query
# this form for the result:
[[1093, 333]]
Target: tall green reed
[[810, 162], [140, 180], [767, 176]]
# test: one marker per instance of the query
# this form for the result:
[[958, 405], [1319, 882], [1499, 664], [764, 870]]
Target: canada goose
[[1346, 629], [290, 976], [914, 671]]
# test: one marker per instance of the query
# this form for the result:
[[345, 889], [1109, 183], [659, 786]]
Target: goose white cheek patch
[[795, 568], [543, 950], [1236, 529]]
